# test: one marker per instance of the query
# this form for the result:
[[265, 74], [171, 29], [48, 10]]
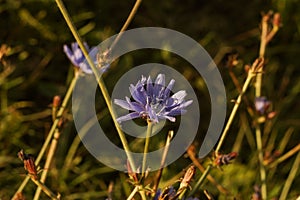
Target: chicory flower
[[153, 101], [77, 58]]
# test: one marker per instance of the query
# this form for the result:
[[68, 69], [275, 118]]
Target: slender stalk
[[285, 156], [182, 193], [196, 162], [99, 80], [126, 24], [290, 178], [262, 49], [146, 148], [143, 195], [262, 169], [201, 180], [51, 132], [163, 160], [251, 74], [258, 86], [48, 162], [134, 191], [46, 190]]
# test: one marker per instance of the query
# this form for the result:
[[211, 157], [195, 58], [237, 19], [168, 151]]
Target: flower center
[[157, 104]]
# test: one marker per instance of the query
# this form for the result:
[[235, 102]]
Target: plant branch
[[146, 148], [163, 160], [48, 163], [99, 81], [127, 22], [51, 132]]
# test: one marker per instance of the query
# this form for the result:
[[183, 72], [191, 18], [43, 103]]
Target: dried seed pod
[[277, 19], [29, 165], [55, 104], [189, 174]]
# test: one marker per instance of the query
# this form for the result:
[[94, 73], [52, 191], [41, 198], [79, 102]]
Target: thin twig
[[257, 64], [98, 79], [285, 156], [262, 169], [128, 21], [265, 38], [163, 160], [51, 132], [134, 191], [251, 74], [146, 148], [196, 162], [290, 179], [46, 190], [50, 156], [201, 180]]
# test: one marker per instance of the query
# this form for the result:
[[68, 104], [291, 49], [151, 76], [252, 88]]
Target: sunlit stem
[[126, 24], [250, 76], [163, 160], [234, 110], [134, 191], [99, 81], [292, 175], [48, 162], [147, 140], [262, 169], [46, 190], [201, 180], [52, 130]]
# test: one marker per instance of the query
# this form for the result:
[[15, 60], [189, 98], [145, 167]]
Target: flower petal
[[122, 103], [169, 88], [127, 117]]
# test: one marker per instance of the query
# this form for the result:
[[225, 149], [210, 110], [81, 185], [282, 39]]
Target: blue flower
[[167, 193], [152, 101], [261, 104], [77, 58]]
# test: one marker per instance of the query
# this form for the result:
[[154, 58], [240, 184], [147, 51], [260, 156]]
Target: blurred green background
[[35, 69]]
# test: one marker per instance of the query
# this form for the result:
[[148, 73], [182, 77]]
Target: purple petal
[[152, 114], [179, 96], [139, 94], [127, 117], [169, 88], [159, 85], [172, 119], [150, 88], [122, 103]]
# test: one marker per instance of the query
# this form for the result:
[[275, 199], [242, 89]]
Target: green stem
[[290, 178], [262, 169], [148, 135], [49, 159], [46, 190], [201, 180], [258, 86], [99, 81], [134, 191], [126, 24], [251, 74], [163, 160], [51, 132], [234, 110]]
